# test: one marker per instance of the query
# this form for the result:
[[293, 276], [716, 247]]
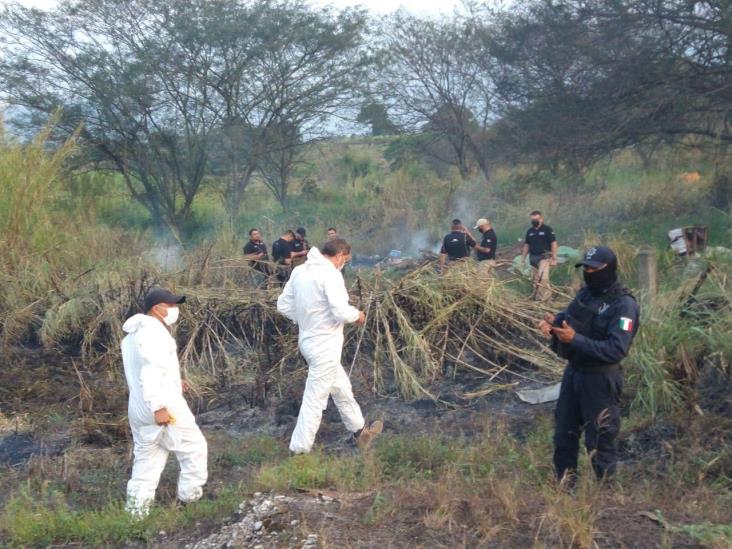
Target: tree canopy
[[177, 96]]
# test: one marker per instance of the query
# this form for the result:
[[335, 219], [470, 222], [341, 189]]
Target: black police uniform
[[299, 245], [592, 384], [456, 245], [540, 241], [252, 248], [282, 250], [489, 241]]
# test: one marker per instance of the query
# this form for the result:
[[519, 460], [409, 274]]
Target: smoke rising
[[167, 257]]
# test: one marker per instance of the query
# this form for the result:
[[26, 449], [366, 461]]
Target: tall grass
[[29, 179], [681, 334], [49, 244]]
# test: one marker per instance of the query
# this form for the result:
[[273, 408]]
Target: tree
[[315, 62], [433, 80], [133, 75], [234, 159], [283, 77], [168, 93], [376, 115], [284, 141], [580, 79], [236, 34]]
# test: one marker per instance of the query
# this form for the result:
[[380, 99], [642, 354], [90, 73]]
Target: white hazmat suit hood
[[149, 354], [315, 297]]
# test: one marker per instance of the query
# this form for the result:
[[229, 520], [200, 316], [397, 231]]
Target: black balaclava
[[600, 281]]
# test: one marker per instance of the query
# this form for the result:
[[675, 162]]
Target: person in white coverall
[[159, 416], [315, 297]]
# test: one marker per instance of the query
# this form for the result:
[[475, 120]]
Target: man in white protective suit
[[315, 297], [159, 415]]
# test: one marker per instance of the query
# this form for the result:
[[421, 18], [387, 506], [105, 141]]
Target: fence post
[[647, 273]]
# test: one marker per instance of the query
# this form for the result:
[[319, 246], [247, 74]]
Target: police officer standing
[[541, 247], [456, 245], [594, 334], [256, 252], [282, 256], [485, 253], [300, 247]]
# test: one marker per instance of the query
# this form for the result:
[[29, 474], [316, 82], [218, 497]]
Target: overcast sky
[[432, 7]]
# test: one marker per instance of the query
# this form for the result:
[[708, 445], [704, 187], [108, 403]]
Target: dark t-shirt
[[457, 245], [281, 250], [489, 241], [540, 239], [300, 245], [251, 248]]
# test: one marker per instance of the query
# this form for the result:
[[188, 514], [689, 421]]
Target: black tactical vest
[[582, 315]]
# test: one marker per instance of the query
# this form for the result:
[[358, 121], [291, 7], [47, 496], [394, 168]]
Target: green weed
[[715, 536], [382, 506], [46, 518], [253, 451], [409, 457], [312, 471]]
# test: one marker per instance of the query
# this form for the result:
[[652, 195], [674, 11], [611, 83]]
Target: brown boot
[[368, 434]]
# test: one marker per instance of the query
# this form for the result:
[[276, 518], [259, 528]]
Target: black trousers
[[589, 402]]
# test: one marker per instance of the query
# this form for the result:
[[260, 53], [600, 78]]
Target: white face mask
[[172, 316]]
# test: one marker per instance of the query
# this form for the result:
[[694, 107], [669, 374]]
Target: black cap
[[300, 231], [160, 295], [598, 256]]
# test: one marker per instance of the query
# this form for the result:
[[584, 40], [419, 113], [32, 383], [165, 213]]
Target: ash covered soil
[[465, 406], [452, 413], [328, 518]]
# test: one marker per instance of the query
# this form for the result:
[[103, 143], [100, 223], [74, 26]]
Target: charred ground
[[462, 461]]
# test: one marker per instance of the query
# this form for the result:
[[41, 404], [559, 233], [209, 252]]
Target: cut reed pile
[[420, 327], [230, 333], [422, 322]]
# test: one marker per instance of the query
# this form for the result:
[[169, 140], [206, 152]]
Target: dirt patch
[[630, 527], [331, 519], [17, 448], [450, 415]]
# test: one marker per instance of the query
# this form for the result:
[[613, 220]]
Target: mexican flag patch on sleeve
[[626, 324]]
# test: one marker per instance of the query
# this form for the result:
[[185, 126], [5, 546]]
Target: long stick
[[360, 335], [691, 299]]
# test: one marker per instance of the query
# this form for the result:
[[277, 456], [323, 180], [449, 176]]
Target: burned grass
[[233, 341], [435, 359], [486, 489]]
